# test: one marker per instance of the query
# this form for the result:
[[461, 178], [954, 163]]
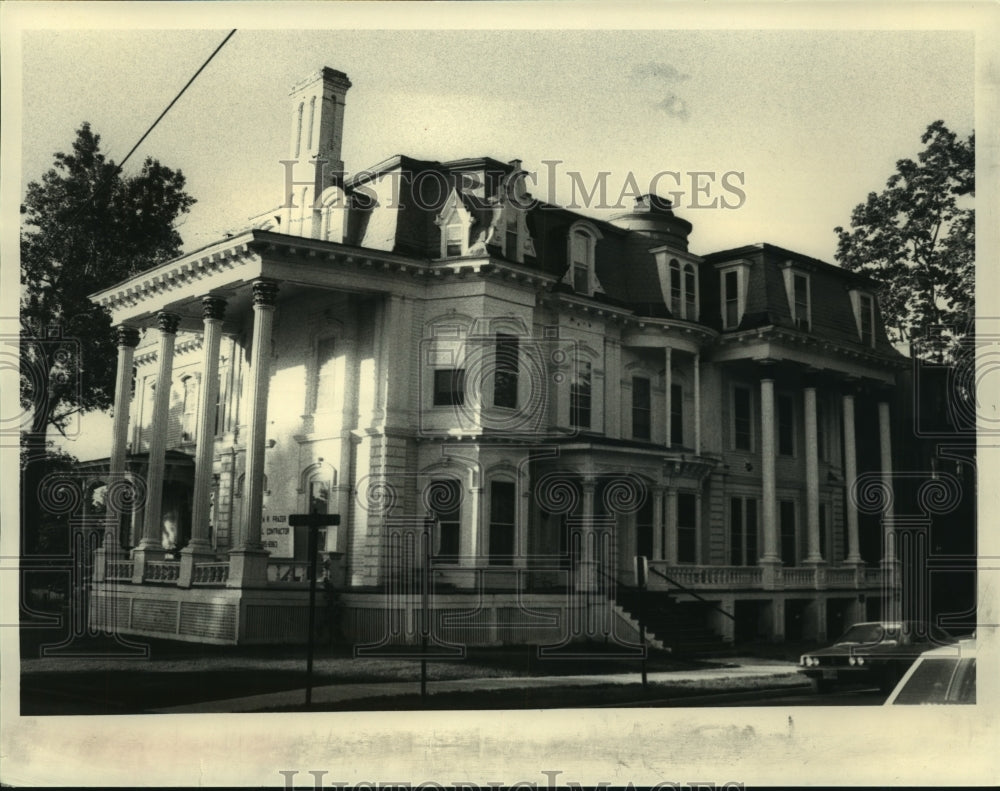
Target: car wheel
[[821, 685]]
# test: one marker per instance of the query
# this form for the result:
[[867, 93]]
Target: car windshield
[[940, 680], [863, 633]]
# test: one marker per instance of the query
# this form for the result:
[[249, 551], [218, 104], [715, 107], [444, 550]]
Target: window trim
[[454, 215], [574, 398], [436, 536], [858, 295], [593, 236], [742, 270], [790, 272]]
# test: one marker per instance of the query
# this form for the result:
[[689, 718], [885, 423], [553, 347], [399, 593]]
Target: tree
[[85, 226], [917, 240]]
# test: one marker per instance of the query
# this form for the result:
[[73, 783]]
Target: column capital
[[265, 293], [213, 308], [127, 336], [167, 322]]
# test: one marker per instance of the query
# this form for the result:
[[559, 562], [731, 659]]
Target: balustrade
[[210, 574], [162, 571]]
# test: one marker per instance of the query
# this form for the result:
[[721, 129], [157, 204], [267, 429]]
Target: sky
[[805, 123]]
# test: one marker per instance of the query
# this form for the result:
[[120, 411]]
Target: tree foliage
[[916, 238], [85, 226]]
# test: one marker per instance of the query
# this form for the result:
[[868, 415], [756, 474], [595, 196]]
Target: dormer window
[[581, 274], [454, 222], [733, 279], [683, 290], [799, 296], [863, 304]]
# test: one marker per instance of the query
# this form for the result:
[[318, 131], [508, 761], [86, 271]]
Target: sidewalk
[[746, 669]]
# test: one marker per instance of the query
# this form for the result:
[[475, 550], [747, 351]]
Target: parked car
[[874, 652], [945, 675]]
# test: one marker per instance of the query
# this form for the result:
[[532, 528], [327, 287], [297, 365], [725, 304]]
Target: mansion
[[520, 414]]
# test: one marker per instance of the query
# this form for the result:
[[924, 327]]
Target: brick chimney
[[317, 134]]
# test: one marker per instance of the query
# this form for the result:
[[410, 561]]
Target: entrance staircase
[[682, 628]]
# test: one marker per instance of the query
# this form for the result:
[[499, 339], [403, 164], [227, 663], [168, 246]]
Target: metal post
[[640, 574], [313, 540]]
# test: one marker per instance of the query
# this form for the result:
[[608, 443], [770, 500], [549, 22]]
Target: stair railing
[[687, 590]]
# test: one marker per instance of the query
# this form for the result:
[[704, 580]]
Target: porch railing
[[785, 578], [162, 571], [210, 573], [119, 570]]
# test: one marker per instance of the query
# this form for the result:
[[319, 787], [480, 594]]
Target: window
[[687, 528], [505, 371], [190, 416], [787, 529], [867, 320], [786, 425], [446, 498], [801, 308], [799, 299], [683, 291], [319, 503], [453, 239], [511, 247], [581, 259], [454, 222], [503, 506], [581, 256], [644, 528], [742, 531], [730, 299], [449, 387], [690, 294], [741, 418], [325, 374], [676, 415], [675, 288], [579, 396], [641, 408]]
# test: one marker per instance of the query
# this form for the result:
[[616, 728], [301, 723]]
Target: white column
[[213, 311], [248, 560], [697, 404], [471, 545], [885, 453], [152, 527], [813, 555], [667, 387], [769, 498], [850, 473], [128, 338]]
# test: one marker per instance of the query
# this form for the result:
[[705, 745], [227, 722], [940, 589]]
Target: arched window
[[503, 510], [581, 273]]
